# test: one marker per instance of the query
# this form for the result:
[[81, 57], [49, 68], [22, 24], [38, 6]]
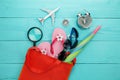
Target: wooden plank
[[16, 28], [37, 3], [94, 52], [95, 72], [64, 13], [30, 8], [79, 72]]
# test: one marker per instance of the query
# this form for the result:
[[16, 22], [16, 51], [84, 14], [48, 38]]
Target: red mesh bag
[[38, 66]]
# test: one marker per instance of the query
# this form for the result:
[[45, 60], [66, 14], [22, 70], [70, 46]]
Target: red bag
[[38, 66]]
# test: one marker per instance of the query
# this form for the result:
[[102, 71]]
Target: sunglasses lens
[[67, 44]]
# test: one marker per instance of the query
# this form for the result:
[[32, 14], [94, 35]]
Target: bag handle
[[34, 69]]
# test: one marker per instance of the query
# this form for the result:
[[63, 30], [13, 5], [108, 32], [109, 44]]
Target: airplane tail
[[41, 20]]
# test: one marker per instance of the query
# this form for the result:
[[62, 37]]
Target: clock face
[[84, 21]]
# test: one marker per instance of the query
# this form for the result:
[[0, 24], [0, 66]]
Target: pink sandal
[[58, 39], [45, 48]]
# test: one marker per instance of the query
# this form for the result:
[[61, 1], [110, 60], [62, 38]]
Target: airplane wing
[[53, 18], [46, 10]]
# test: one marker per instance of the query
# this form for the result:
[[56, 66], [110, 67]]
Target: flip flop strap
[[55, 40], [44, 51]]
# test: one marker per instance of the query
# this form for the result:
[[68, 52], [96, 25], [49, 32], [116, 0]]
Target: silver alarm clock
[[84, 21]]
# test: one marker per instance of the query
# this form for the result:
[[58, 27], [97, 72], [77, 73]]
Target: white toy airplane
[[50, 14]]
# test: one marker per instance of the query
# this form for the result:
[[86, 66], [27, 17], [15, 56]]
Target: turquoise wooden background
[[100, 60]]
